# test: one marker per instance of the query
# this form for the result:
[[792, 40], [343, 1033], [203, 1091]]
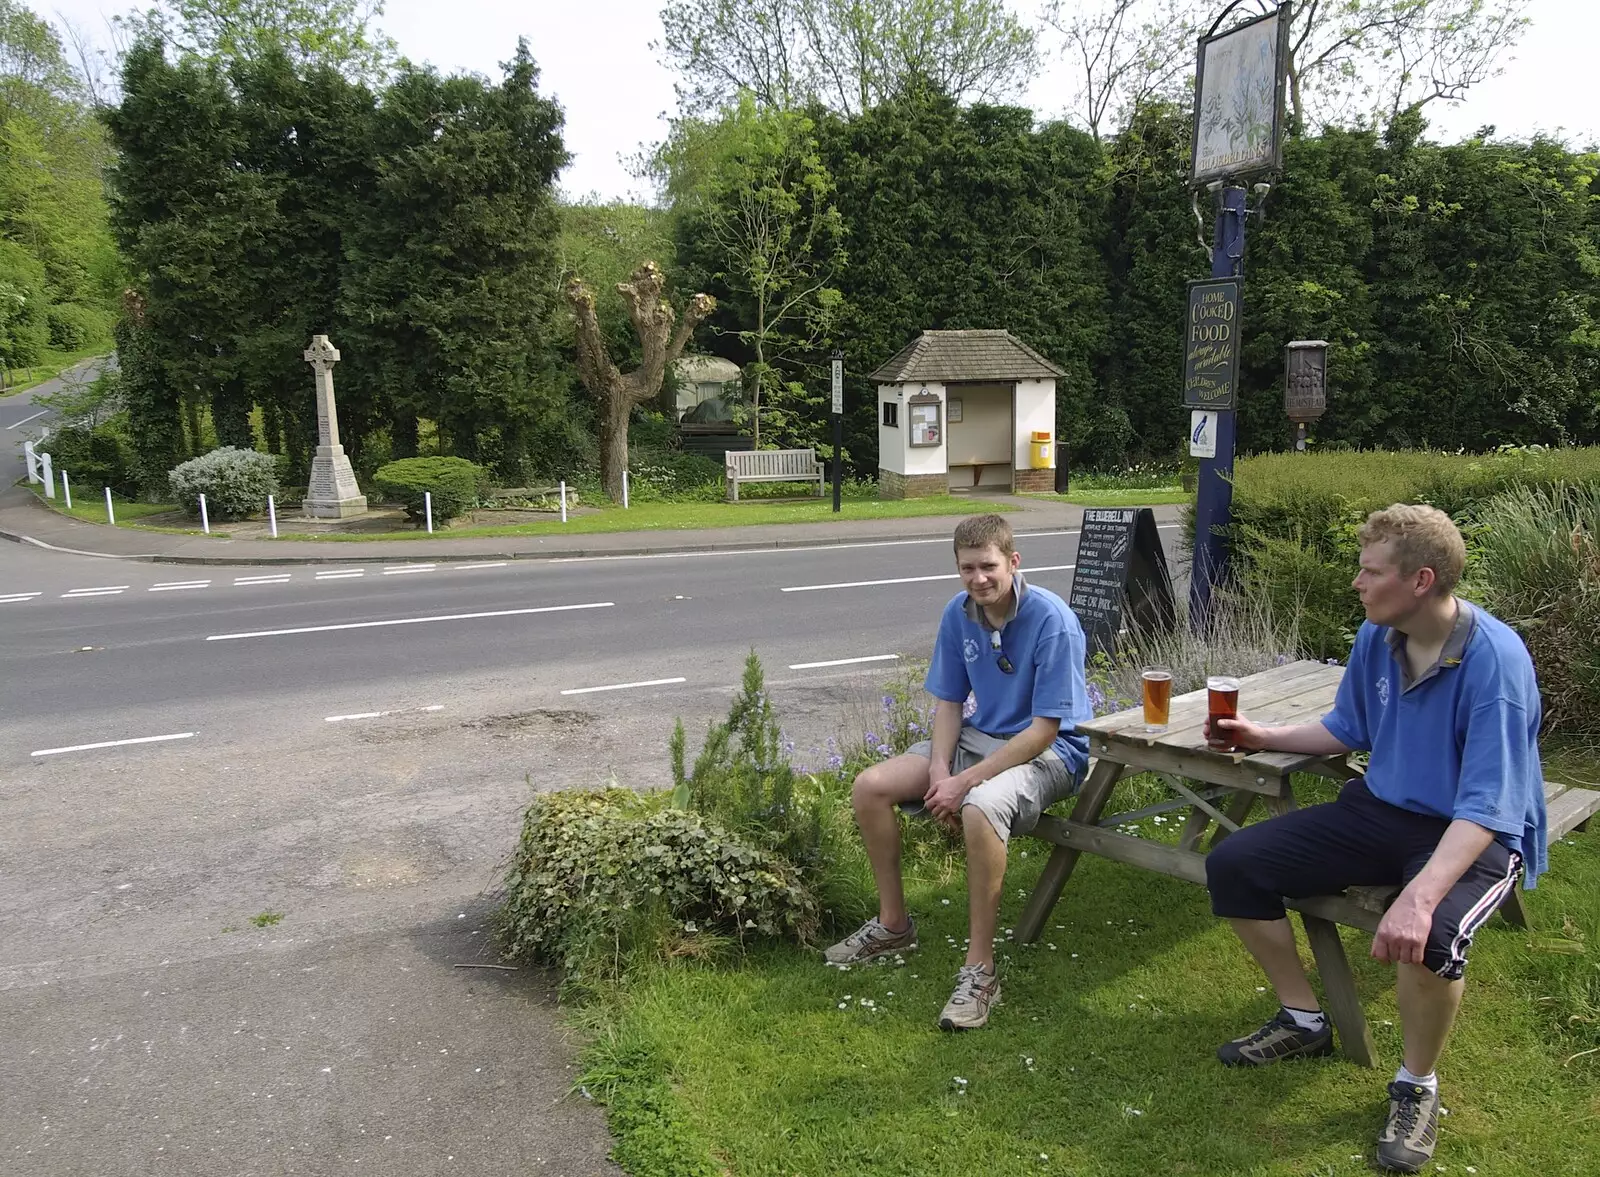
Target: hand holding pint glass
[[1222, 702], [1157, 697]]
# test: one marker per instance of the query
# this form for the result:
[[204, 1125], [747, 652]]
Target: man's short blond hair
[[1421, 537], [980, 531]]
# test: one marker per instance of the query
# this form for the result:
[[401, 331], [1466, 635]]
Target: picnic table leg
[[1339, 988], [1513, 910], [1238, 809], [1091, 800]]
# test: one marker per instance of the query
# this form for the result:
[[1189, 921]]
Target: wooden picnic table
[[1217, 788]]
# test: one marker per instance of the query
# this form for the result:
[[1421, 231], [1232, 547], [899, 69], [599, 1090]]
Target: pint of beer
[[1222, 702], [1157, 697]]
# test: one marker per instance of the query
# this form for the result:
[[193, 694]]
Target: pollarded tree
[[661, 341]]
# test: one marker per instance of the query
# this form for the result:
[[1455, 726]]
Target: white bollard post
[[111, 516], [427, 508], [624, 490], [30, 458], [49, 478], [272, 516], [66, 488], [563, 498], [205, 520]]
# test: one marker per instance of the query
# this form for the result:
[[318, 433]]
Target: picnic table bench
[[1222, 788], [771, 466]]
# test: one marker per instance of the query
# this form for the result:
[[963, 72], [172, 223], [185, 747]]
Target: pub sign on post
[[1211, 345], [1305, 384]]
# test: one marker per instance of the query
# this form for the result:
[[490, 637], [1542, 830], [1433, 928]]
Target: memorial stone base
[[333, 493]]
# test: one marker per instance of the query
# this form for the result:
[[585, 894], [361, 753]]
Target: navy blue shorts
[[1356, 841]]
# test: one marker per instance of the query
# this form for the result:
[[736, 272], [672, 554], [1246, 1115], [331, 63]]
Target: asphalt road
[[21, 419]]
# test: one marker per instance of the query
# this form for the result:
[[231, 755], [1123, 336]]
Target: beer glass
[[1157, 697], [1222, 702]]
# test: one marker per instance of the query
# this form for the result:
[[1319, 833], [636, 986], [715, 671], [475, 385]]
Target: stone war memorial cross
[[333, 493]]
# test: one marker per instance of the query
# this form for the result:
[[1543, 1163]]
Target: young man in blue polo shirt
[[1452, 809], [1018, 649]]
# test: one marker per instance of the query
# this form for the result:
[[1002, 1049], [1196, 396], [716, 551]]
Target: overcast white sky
[[596, 59]]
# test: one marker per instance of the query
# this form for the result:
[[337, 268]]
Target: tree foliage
[[848, 55], [341, 34]]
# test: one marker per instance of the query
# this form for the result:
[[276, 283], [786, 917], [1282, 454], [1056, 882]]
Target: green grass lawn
[[91, 508], [1155, 497], [696, 516], [1100, 1061], [53, 364]]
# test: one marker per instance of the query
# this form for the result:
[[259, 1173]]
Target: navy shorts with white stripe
[[1356, 841]]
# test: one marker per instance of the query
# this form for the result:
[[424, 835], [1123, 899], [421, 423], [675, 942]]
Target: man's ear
[[1423, 580], [1016, 561]]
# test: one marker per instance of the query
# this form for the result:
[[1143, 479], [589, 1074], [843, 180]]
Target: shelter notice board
[[1121, 575]]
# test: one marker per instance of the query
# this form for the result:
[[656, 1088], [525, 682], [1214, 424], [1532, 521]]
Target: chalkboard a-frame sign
[[1121, 576]]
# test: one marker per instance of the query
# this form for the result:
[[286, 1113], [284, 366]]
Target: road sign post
[[838, 427]]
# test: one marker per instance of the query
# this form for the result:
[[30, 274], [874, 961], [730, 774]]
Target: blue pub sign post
[[1238, 134]]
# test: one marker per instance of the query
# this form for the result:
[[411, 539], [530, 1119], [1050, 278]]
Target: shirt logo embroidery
[[1383, 689], [970, 649]]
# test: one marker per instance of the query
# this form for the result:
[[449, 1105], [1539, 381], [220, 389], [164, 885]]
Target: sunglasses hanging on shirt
[[1000, 658]]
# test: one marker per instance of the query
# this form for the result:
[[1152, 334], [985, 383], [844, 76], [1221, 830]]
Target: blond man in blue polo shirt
[[1452, 810], [1018, 650]]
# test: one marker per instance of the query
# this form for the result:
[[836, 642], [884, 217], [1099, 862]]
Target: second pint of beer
[[1157, 697], [1222, 702]]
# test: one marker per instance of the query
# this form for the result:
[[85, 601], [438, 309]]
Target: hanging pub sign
[[1211, 344], [1305, 379], [1238, 98]]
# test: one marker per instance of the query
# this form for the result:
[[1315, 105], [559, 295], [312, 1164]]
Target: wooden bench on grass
[[1223, 787], [772, 466]]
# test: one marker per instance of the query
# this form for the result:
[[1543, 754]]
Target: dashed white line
[[844, 584], [274, 633], [114, 744], [109, 590], [25, 420], [10, 598], [844, 661], [173, 586], [625, 686], [274, 578], [406, 569], [379, 714], [470, 567], [341, 573]]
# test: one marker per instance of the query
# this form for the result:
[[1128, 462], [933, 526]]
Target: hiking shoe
[[968, 1008], [1408, 1138], [870, 941], [1279, 1039]]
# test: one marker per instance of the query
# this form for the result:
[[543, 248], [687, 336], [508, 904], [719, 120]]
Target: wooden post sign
[[1211, 345], [1121, 576]]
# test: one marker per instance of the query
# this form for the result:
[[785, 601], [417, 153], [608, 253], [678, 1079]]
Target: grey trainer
[[977, 990], [870, 941], [1279, 1039], [1412, 1130]]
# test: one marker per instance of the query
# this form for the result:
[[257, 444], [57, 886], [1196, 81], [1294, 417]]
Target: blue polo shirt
[[1462, 741], [1043, 641]]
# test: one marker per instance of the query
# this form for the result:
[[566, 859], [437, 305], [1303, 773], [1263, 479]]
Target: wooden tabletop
[[1296, 692]]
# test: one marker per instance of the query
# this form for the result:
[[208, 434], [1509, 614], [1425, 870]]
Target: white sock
[[1430, 1080], [1307, 1019]]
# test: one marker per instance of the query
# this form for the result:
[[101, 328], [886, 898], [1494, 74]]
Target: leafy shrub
[[96, 458], [235, 482], [454, 483], [667, 475], [600, 879], [74, 326], [1536, 565]]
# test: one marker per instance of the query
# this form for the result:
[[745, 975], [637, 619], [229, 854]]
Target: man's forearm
[[1312, 739], [1027, 744], [1460, 847], [946, 734]]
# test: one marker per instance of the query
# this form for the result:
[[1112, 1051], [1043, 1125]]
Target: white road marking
[[113, 744], [109, 590], [275, 578], [379, 714], [844, 584], [173, 586], [341, 573], [25, 420], [844, 661], [274, 633], [624, 686], [7, 598], [406, 569], [470, 567]]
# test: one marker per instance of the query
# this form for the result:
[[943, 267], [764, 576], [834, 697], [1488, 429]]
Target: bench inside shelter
[[771, 466]]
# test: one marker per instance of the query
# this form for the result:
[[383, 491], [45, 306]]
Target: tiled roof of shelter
[[952, 356]]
